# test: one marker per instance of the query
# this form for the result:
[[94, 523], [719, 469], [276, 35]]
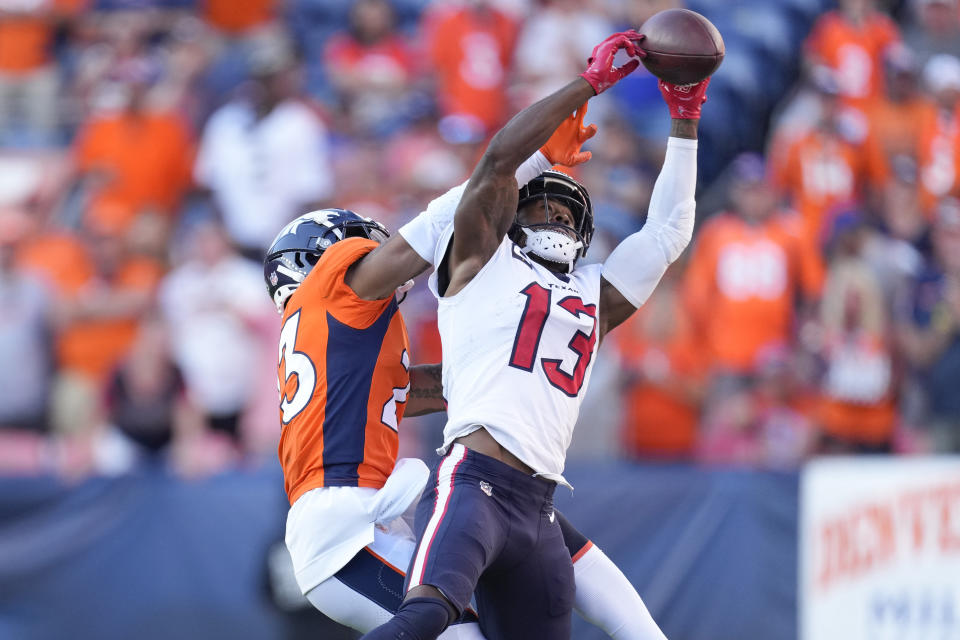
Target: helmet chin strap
[[554, 246]]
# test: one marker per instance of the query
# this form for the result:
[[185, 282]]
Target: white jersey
[[519, 343]]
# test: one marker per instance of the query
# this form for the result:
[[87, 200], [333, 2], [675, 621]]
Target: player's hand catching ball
[[600, 73], [684, 100], [563, 147]]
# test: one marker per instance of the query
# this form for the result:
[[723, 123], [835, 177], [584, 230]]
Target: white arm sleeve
[[637, 264], [423, 232], [531, 168]]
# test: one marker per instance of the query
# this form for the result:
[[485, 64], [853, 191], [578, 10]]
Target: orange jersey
[[866, 420], [343, 375], [26, 40], [137, 180], [819, 172], [661, 416], [91, 347], [24, 44], [471, 55], [741, 284], [235, 18], [938, 158], [894, 128], [854, 52]]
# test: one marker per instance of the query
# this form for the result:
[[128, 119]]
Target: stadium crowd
[[151, 149]]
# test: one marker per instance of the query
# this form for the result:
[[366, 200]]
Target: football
[[682, 46]]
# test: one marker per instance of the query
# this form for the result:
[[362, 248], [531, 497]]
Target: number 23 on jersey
[[297, 363]]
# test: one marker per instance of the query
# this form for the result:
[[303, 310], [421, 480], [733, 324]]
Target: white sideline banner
[[880, 549]]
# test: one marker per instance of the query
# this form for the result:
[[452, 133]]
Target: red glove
[[600, 73], [684, 100], [563, 147]]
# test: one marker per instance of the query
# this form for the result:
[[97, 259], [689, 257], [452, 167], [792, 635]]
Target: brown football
[[682, 46]]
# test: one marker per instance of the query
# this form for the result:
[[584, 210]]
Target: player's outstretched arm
[[424, 232], [381, 271], [635, 267], [489, 202]]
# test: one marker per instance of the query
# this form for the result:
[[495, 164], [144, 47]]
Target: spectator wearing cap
[[823, 167], [929, 331], [938, 150], [894, 119], [122, 182], [857, 408], [748, 266], [934, 28], [264, 156], [851, 42]]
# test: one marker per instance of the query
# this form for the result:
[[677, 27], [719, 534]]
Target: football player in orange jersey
[[346, 381]]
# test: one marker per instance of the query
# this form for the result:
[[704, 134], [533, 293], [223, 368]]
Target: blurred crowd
[[151, 149]]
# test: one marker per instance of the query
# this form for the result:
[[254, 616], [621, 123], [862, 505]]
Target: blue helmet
[[299, 245]]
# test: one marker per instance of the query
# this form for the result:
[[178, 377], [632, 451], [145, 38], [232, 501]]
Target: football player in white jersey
[[520, 325], [363, 589]]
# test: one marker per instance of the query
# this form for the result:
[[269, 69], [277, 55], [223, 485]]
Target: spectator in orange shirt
[[851, 41], [857, 411], [103, 292], [236, 19], [938, 152], [470, 48], [747, 269], [134, 161], [372, 69], [29, 79], [820, 169], [894, 120], [663, 377]]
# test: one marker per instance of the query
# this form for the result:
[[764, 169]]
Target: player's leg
[[368, 591], [605, 597], [529, 592], [458, 531]]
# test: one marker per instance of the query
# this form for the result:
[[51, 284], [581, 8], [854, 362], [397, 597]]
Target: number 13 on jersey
[[527, 342]]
